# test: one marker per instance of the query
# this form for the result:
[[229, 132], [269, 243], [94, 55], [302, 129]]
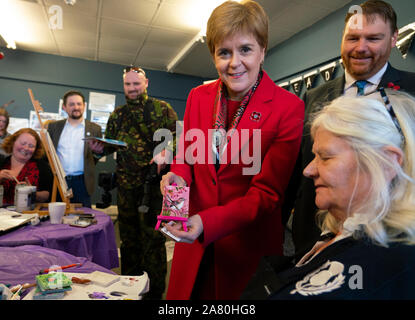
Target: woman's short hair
[[8, 142], [4, 113], [368, 128], [232, 17]]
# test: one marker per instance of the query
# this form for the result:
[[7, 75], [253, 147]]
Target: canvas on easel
[[59, 182]]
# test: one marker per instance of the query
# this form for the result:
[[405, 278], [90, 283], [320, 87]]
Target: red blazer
[[241, 214]]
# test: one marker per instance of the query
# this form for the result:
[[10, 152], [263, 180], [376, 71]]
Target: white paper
[[44, 116], [101, 101], [100, 118], [10, 219], [17, 124]]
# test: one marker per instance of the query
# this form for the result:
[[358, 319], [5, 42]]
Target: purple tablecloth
[[20, 265], [95, 242]]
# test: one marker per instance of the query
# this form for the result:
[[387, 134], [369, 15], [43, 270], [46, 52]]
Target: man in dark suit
[[368, 39], [75, 154]]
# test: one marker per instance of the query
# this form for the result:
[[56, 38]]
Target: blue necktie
[[361, 87]]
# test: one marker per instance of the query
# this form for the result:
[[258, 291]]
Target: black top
[[352, 269]]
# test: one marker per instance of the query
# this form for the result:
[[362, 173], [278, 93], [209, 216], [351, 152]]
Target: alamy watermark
[[56, 17], [244, 145], [356, 20]]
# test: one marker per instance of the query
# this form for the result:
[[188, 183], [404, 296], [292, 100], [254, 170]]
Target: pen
[[59, 268], [16, 295]]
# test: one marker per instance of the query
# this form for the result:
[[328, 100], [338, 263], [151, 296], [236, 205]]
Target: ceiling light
[[16, 22], [197, 16], [9, 41], [183, 52], [5, 27]]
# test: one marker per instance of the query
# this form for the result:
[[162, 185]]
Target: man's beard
[[75, 117]]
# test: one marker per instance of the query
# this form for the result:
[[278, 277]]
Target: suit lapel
[[59, 128], [206, 121], [390, 75], [87, 133], [336, 89]]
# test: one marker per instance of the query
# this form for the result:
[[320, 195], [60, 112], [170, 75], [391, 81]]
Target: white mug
[[56, 212]]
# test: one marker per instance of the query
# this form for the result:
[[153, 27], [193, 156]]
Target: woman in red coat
[[239, 145]]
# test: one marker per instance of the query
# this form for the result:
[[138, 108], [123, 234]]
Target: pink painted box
[[176, 202]]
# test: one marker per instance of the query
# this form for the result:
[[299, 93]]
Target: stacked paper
[[103, 279]]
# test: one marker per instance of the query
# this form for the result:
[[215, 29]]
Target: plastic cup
[[56, 212]]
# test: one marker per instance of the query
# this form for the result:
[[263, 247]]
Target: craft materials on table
[[96, 286], [57, 268], [51, 286], [9, 220]]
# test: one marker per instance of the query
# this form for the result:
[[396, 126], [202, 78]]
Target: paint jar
[[33, 198], [24, 198]]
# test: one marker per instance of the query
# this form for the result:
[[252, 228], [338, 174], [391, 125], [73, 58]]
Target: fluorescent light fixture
[[5, 24], [197, 16], [16, 22], [9, 41], [183, 52]]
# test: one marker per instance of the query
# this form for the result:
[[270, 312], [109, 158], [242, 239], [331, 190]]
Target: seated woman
[[25, 164], [4, 123], [364, 175]]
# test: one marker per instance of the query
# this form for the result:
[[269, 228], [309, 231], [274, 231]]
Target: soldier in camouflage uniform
[[142, 247]]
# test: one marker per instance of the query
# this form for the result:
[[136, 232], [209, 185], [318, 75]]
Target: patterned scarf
[[220, 114]]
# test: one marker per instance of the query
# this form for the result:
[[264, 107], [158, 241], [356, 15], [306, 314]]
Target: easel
[[59, 182], [161, 218]]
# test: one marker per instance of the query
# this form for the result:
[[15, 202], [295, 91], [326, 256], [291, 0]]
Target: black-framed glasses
[[391, 111], [135, 69]]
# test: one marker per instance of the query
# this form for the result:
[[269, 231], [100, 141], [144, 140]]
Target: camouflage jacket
[[127, 123]]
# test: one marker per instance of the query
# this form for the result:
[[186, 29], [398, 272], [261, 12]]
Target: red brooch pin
[[393, 86], [255, 116]]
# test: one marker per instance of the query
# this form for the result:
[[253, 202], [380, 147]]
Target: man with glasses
[[75, 154], [138, 177], [365, 50]]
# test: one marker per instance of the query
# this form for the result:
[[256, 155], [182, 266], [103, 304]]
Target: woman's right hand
[[170, 178], [6, 174]]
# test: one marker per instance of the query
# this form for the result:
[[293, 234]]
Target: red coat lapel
[[253, 118]]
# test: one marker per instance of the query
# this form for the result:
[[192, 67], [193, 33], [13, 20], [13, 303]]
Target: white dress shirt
[[350, 89], [71, 148]]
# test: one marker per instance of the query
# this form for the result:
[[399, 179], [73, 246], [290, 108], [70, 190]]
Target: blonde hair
[[4, 113], [368, 128], [232, 17]]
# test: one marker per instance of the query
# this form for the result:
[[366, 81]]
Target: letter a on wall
[[309, 79]]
